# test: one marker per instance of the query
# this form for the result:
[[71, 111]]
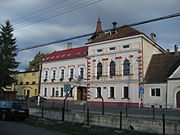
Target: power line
[[76, 7], [38, 10], [85, 35]]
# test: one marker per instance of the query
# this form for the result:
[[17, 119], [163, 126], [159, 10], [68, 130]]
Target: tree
[[8, 52], [34, 64]]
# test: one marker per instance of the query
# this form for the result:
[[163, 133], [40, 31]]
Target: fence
[[120, 121]]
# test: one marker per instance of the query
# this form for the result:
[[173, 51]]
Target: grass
[[76, 129]]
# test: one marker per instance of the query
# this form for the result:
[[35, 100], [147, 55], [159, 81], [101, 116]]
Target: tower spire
[[99, 31]]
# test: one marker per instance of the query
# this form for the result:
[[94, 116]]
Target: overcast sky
[[67, 18]]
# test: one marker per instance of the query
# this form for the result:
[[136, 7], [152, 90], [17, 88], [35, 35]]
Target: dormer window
[[112, 48], [99, 50], [125, 46]]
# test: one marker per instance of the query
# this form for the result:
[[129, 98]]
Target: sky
[[41, 21]]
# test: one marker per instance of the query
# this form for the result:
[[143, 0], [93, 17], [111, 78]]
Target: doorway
[[178, 99], [81, 93]]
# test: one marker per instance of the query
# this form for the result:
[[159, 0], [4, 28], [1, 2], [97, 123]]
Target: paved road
[[16, 128]]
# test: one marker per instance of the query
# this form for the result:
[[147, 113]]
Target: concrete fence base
[[172, 127]]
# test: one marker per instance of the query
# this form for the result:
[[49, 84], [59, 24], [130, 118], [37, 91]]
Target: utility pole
[[39, 85]]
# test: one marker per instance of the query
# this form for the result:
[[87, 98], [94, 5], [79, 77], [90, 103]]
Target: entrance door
[[178, 99], [81, 93]]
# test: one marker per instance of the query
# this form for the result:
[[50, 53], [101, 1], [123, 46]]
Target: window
[[71, 73], [33, 74], [99, 50], [126, 67], [125, 46], [45, 91], [53, 92], [82, 72], [46, 75], [62, 73], [126, 92], [99, 70], [112, 48], [33, 82], [155, 92], [112, 68], [71, 94], [54, 74], [27, 83], [57, 93], [98, 92], [62, 90], [111, 92]]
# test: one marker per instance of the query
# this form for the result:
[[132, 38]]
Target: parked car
[[35, 99], [13, 110], [19, 98]]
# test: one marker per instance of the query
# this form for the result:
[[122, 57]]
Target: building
[[114, 66], [27, 83], [162, 81], [117, 63], [64, 67]]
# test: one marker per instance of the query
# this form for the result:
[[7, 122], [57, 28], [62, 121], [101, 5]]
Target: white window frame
[[45, 74], [52, 91], [83, 70], [53, 74], [44, 91], [123, 91], [155, 88], [61, 73], [70, 72]]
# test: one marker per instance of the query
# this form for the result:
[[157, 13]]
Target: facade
[[64, 67], [162, 81], [27, 83], [114, 65], [117, 63]]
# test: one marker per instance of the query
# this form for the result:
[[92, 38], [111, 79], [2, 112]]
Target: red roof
[[67, 54]]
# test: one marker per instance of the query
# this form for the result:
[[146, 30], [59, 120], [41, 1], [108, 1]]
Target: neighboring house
[[117, 63], [113, 65], [64, 67], [162, 81], [27, 83]]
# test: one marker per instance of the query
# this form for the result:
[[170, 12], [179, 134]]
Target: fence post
[[42, 112], [163, 116], [120, 120], [126, 111], [88, 117], [153, 112], [63, 111]]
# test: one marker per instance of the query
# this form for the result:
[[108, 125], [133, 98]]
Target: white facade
[[52, 84], [137, 50]]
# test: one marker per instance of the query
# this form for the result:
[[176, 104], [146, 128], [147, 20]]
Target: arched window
[[126, 68], [99, 70], [112, 68]]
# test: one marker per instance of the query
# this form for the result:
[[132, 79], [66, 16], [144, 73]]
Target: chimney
[[114, 30], [114, 25], [168, 51], [176, 50], [69, 45], [153, 37]]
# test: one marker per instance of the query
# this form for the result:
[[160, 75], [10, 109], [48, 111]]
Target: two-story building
[[64, 67], [117, 63], [27, 83]]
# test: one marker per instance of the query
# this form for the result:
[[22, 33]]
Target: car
[[19, 98], [13, 110], [35, 99]]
